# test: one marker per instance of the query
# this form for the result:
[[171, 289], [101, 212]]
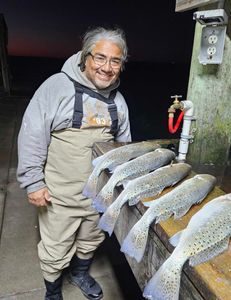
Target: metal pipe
[[185, 134], [221, 4]]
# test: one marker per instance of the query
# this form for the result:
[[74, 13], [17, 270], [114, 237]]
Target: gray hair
[[93, 36]]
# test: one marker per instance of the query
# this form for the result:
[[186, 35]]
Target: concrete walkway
[[20, 276]]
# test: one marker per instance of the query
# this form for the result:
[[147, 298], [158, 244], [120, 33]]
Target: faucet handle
[[176, 98]]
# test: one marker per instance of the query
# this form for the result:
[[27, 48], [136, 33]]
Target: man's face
[[103, 75]]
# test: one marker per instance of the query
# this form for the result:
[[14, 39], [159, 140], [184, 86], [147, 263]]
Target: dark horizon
[[154, 32], [146, 86]]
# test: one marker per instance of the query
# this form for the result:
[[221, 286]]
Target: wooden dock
[[207, 281]]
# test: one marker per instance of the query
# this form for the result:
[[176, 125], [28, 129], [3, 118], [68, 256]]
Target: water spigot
[[176, 102], [171, 111], [176, 97], [175, 105]]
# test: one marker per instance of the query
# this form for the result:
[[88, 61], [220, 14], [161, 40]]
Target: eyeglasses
[[101, 60]]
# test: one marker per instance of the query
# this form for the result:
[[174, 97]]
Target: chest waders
[[69, 224]]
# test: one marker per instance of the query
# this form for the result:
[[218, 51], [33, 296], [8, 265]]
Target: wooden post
[[209, 90], [182, 5], [3, 54]]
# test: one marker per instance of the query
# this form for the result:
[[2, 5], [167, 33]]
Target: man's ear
[[81, 66]]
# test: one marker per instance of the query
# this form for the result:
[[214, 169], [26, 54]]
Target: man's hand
[[40, 197]]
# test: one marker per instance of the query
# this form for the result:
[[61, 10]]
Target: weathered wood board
[[208, 281], [183, 5]]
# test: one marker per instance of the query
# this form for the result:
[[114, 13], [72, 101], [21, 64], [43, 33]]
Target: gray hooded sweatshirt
[[51, 109]]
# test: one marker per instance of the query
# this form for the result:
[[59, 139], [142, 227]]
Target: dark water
[[147, 88]]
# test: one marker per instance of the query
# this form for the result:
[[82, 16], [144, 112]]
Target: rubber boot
[[54, 291], [80, 277]]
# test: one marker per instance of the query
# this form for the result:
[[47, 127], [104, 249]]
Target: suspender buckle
[[112, 107], [77, 119]]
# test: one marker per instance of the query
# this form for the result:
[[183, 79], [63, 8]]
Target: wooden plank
[[183, 5], [211, 280]]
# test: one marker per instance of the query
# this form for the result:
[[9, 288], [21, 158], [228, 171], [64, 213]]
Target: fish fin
[[160, 191], [201, 199], [103, 200], [209, 253], [101, 207], [175, 182], [180, 212], [148, 203], [163, 217], [133, 201], [135, 242], [90, 188], [165, 284], [112, 169], [108, 220], [174, 240], [98, 160], [125, 183]]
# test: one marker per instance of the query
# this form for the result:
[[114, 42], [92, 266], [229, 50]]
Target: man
[[69, 112]]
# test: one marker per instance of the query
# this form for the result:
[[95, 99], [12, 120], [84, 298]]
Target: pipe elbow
[[188, 107]]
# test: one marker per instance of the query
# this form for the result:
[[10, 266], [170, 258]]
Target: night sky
[[155, 32]]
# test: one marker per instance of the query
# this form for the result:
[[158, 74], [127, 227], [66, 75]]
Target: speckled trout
[[206, 236], [176, 202], [130, 170], [145, 186], [113, 158]]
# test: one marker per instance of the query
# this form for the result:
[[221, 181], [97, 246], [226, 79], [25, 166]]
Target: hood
[[71, 68]]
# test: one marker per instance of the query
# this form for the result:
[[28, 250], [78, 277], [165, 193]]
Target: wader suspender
[[78, 107]]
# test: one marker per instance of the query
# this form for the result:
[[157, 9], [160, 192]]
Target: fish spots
[[139, 238], [206, 236]]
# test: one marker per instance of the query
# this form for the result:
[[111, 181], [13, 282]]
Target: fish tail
[[133, 201], [103, 200], [108, 220], [165, 284], [135, 242], [90, 188]]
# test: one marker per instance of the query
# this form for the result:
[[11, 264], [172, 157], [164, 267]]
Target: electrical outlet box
[[211, 17], [212, 44]]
